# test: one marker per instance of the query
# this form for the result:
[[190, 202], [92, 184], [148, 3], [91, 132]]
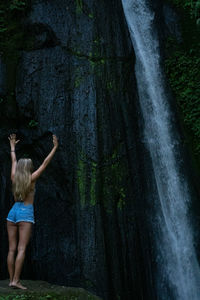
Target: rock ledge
[[43, 290]]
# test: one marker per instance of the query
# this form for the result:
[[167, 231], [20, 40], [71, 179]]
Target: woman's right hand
[[13, 142], [55, 141]]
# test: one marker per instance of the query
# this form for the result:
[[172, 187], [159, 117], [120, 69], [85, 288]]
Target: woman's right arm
[[13, 142], [35, 175]]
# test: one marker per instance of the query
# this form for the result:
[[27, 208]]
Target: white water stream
[[179, 263]]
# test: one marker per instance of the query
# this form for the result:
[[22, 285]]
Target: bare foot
[[18, 285], [10, 284]]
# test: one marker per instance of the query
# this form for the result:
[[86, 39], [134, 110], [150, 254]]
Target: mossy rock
[[41, 290]]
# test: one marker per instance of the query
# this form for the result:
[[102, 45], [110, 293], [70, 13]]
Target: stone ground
[[41, 290]]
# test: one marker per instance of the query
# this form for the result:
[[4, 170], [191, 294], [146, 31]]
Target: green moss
[[49, 296], [87, 172], [115, 179], [95, 57], [79, 77], [114, 174], [91, 16], [33, 124], [89, 284], [79, 6], [81, 179], [78, 81], [112, 84], [93, 183]]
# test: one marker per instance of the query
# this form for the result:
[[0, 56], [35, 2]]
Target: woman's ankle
[[15, 281]]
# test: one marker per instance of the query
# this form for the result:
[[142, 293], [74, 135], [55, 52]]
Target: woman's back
[[29, 199]]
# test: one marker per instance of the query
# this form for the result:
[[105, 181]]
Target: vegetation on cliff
[[183, 70], [191, 6], [11, 27], [12, 40]]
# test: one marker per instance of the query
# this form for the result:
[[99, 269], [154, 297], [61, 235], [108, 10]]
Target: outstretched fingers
[[12, 138], [55, 140]]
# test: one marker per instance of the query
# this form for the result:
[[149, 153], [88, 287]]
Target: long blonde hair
[[22, 179]]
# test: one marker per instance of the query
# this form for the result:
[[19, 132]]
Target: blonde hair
[[22, 179]]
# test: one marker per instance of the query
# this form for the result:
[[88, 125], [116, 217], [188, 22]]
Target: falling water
[[179, 263]]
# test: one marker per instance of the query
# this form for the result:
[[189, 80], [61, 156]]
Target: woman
[[21, 215]]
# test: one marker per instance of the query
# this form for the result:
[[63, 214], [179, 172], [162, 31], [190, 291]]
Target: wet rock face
[[76, 79]]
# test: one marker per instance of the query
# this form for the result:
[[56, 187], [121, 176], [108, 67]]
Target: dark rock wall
[[76, 79]]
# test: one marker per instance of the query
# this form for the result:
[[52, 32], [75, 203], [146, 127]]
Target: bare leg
[[25, 229], [12, 239]]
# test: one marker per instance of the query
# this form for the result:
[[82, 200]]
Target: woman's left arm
[[13, 142]]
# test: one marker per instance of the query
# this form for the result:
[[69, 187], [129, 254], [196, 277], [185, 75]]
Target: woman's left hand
[[55, 141]]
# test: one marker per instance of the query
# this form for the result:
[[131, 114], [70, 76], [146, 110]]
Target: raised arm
[[35, 175], [13, 142]]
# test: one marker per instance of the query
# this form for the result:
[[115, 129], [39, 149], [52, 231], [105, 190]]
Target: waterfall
[[178, 263]]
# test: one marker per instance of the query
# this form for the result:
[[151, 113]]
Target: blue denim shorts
[[21, 213]]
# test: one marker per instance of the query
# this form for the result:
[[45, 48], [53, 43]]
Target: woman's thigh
[[12, 235], [25, 230]]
